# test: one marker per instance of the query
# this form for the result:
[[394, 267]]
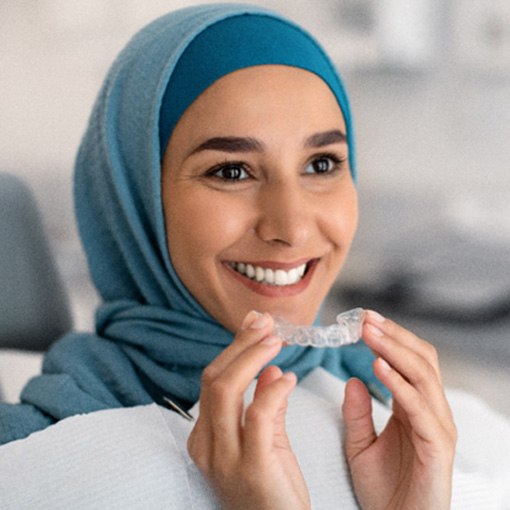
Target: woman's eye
[[233, 172], [322, 165]]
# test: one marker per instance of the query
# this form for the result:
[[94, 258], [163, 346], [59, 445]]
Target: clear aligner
[[346, 331]]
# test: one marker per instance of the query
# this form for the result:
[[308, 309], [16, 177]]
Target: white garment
[[135, 458]]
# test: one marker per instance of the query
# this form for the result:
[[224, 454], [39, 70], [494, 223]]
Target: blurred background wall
[[430, 87]]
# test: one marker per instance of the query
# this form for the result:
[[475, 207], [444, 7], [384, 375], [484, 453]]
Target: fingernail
[[271, 340], [289, 376], [374, 330], [260, 322], [376, 316], [255, 320], [384, 365], [250, 318]]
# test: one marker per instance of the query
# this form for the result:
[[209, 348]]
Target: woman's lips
[[273, 279]]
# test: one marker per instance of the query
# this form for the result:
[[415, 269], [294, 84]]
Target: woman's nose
[[285, 214]]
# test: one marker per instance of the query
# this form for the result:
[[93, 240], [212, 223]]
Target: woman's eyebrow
[[247, 144], [230, 144], [326, 138]]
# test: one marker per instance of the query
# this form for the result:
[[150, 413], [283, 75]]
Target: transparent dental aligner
[[346, 331]]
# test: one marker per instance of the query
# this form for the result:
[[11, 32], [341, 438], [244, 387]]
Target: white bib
[[136, 458]]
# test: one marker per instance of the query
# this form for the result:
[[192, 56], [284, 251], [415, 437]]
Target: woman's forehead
[[258, 108], [257, 96]]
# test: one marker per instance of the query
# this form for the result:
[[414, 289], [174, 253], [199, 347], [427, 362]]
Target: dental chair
[[34, 308]]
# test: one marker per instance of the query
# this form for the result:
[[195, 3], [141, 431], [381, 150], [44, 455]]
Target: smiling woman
[[215, 188], [265, 219]]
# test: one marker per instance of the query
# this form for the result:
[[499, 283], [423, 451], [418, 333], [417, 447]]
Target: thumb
[[270, 374], [358, 422]]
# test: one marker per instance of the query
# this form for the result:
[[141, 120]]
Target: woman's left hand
[[409, 465]]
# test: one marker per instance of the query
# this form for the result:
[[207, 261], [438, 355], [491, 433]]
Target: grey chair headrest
[[34, 309]]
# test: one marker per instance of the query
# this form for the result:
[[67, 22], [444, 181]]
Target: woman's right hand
[[245, 453]]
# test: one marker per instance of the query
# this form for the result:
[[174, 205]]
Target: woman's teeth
[[278, 277]]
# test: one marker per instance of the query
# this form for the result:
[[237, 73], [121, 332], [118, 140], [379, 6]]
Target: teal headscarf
[[152, 338]]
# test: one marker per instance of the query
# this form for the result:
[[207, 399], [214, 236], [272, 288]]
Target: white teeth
[[250, 271], [293, 276], [278, 277]]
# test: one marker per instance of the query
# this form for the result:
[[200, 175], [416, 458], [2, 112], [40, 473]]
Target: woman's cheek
[[208, 225], [339, 218]]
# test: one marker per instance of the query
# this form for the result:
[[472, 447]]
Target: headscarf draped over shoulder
[[152, 338]]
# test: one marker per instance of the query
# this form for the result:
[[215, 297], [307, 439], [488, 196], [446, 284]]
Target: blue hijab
[[152, 338]]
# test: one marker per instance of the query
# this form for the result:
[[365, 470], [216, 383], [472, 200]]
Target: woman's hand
[[409, 465], [245, 453]]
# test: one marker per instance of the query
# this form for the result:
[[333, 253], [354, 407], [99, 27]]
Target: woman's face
[[259, 202]]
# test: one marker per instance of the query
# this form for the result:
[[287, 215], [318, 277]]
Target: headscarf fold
[[152, 338]]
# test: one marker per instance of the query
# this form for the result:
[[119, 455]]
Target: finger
[[268, 375], [253, 328], [224, 394], [265, 418], [357, 413], [199, 445], [434, 432], [411, 364], [406, 359], [405, 337]]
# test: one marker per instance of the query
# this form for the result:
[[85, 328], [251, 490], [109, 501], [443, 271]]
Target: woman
[[215, 189]]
